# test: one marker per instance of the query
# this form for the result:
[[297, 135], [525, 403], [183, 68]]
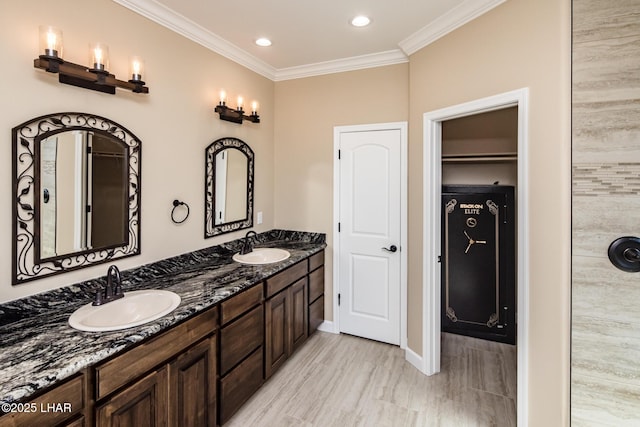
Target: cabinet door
[[192, 386], [276, 332], [299, 308], [143, 404]]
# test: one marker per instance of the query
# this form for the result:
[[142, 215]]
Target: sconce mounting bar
[[235, 116], [81, 76]]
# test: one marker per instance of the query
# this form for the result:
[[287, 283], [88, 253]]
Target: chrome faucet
[[113, 289], [247, 247]]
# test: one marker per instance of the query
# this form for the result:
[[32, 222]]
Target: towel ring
[[177, 203]]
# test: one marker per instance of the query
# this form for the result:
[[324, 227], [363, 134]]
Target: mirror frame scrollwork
[[210, 228], [26, 139]]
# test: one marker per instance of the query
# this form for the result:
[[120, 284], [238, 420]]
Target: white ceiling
[[311, 37]]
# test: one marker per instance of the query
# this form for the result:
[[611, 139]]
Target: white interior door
[[370, 234]]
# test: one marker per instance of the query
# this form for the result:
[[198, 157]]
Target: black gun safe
[[479, 262]]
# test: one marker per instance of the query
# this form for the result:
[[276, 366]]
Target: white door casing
[[429, 363], [370, 208]]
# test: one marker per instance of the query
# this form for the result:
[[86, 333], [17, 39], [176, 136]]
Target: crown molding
[[455, 18], [379, 59], [166, 17]]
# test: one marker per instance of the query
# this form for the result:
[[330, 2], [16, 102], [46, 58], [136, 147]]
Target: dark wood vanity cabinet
[[241, 350], [169, 380]]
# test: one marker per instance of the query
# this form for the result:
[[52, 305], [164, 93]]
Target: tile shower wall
[[605, 348]]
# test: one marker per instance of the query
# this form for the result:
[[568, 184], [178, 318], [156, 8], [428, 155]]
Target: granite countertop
[[39, 348]]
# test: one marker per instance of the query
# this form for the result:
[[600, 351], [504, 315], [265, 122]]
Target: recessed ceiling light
[[263, 41], [360, 21]]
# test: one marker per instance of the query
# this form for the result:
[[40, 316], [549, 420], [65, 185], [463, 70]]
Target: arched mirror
[[77, 191], [228, 186]]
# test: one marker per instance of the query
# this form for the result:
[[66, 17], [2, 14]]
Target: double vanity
[[235, 324], [180, 342]]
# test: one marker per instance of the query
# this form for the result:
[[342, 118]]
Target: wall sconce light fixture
[[95, 77], [236, 115]]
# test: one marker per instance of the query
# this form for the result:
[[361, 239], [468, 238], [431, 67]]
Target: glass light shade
[[99, 56], [50, 41], [136, 68]]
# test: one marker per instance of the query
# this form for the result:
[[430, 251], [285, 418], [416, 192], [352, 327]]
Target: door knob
[[391, 248], [624, 253]]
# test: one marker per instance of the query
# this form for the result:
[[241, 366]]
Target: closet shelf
[[480, 157]]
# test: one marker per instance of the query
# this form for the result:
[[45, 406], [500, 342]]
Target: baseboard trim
[[414, 358], [328, 326]]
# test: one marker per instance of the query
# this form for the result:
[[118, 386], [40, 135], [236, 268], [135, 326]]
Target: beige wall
[[175, 121], [307, 111]]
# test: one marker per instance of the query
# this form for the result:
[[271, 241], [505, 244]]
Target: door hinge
[[338, 227], [88, 209], [88, 149], [439, 258], [338, 299], [339, 154]]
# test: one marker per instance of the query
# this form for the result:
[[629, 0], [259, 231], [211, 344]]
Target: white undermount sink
[[134, 309], [262, 256]]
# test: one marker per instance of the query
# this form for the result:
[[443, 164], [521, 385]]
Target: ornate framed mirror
[[76, 187], [229, 164]]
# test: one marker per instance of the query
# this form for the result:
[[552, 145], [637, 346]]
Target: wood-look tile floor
[[342, 381]]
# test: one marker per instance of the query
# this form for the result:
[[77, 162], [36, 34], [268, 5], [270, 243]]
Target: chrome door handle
[[391, 248]]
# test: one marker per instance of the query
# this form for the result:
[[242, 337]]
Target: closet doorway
[[453, 155], [478, 217]]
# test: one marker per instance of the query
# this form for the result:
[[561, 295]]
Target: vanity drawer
[[283, 279], [316, 314], [316, 284], [238, 304], [133, 363], [240, 338], [316, 260], [237, 387], [61, 403]]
